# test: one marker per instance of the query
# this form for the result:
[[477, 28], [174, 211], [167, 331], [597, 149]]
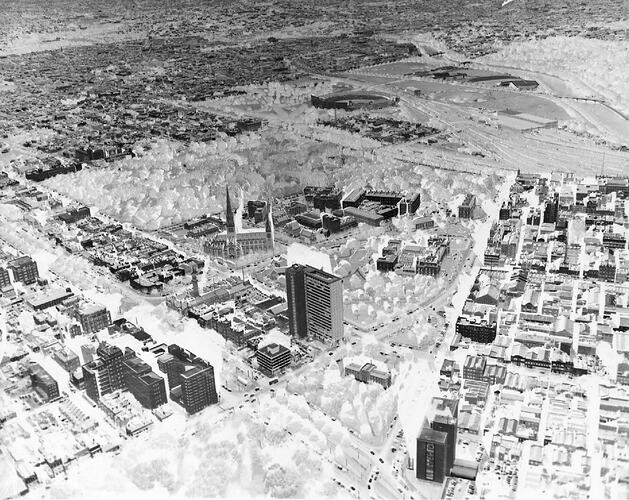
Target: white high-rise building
[[324, 305]]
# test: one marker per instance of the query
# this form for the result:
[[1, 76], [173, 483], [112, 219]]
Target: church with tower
[[232, 244]]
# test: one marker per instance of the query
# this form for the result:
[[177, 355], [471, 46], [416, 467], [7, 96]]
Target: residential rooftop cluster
[[67, 91], [467, 28], [242, 314], [519, 23], [148, 266]]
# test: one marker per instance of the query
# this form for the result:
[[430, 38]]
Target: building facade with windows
[[324, 305], [315, 303], [198, 388], [105, 374], [445, 419], [43, 383], [24, 270], [190, 379], [466, 209], [94, 318], [145, 385], [431, 462], [296, 298], [5, 278], [367, 373], [436, 443], [273, 358]]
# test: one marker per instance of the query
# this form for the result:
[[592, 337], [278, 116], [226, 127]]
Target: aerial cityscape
[[336, 249]]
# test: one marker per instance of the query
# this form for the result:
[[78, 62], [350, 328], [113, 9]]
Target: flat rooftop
[[91, 309], [321, 275], [20, 260], [273, 350], [51, 296], [428, 434]]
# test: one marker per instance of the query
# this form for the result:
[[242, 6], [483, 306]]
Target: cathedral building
[[232, 244]]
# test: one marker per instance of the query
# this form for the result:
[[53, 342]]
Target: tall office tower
[[444, 419], [315, 303], [324, 305], [551, 211], [198, 388], [106, 374], [436, 444], [296, 295], [113, 357], [147, 387], [190, 378], [431, 462]]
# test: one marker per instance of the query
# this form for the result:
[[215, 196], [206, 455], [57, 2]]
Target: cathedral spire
[[268, 227], [268, 219], [229, 213]]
